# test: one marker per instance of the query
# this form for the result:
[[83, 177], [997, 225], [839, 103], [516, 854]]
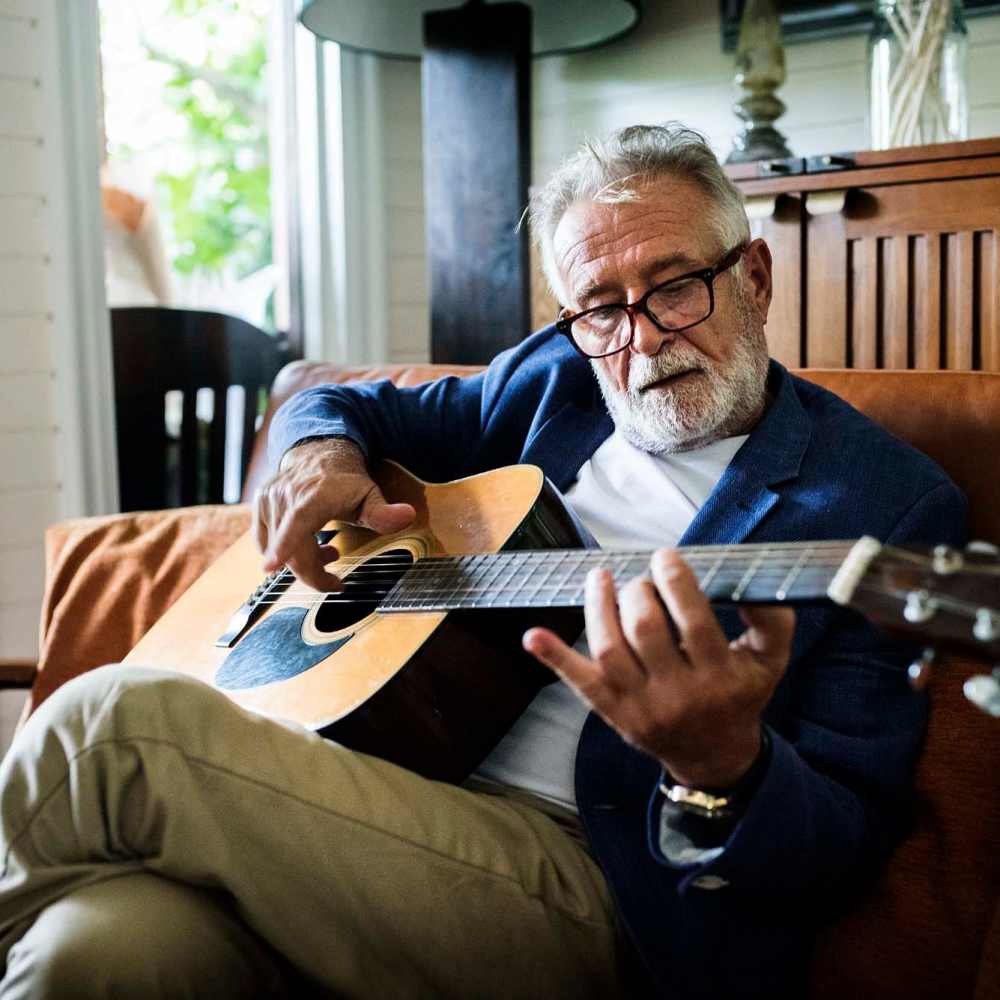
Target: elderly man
[[672, 817]]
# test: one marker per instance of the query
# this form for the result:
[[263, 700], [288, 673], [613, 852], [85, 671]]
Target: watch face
[[698, 802]]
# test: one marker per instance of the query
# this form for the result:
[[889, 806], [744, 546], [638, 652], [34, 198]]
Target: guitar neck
[[793, 572]]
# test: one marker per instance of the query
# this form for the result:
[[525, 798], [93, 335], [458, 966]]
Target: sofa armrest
[[108, 579]]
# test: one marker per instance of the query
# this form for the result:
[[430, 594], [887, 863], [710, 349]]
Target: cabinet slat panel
[[826, 295], [24, 515], [988, 288], [19, 630], [926, 291], [958, 352], [896, 291], [865, 291], [783, 233]]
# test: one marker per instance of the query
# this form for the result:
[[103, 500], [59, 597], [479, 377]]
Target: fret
[[564, 582], [710, 576], [580, 571], [530, 600], [786, 585], [747, 577], [507, 564], [453, 576]]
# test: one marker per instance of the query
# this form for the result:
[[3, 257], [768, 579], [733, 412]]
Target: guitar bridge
[[272, 586]]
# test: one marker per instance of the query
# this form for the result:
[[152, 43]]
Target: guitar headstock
[[945, 598]]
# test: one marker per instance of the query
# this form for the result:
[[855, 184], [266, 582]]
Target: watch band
[[720, 803]]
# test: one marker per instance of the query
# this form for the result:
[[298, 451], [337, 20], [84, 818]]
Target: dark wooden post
[[477, 154]]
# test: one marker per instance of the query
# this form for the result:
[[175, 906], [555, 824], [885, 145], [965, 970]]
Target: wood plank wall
[[673, 68], [29, 478]]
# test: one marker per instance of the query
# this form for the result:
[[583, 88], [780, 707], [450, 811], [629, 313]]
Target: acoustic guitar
[[418, 660]]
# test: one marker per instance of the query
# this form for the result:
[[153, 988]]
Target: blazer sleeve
[[433, 429], [835, 795]]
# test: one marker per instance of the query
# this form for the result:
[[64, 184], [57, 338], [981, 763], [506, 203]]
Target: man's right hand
[[316, 482]]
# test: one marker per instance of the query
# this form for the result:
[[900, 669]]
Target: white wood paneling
[[23, 287], [24, 516], [22, 571], [19, 630], [25, 343], [22, 225], [20, 108], [409, 281], [20, 49], [28, 459], [21, 166], [28, 401], [25, 9]]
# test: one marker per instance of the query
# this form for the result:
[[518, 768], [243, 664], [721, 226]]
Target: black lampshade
[[395, 27]]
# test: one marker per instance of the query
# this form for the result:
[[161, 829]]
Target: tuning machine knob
[[946, 560], [983, 548], [919, 607], [919, 671], [983, 691]]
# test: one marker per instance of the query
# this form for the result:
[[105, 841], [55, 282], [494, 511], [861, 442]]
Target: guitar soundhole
[[363, 590]]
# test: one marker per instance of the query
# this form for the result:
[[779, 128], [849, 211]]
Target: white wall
[[674, 67], [29, 480], [56, 448]]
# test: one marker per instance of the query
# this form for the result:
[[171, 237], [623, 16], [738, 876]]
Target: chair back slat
[[159, 350], [217, 441], [250, 397]]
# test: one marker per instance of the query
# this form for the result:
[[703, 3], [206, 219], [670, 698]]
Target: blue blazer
[[845, 728]]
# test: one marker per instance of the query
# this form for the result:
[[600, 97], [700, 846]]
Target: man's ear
[[757, 271]]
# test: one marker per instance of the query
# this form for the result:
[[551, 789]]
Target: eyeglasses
[[677, 304]]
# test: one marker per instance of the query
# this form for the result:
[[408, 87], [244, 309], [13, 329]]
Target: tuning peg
[[983, 691], [946, 560], [984, 548], [919, 607], [919, 671]]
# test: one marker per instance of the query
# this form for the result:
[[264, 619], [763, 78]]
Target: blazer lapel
[[566, 440], [771, 455]]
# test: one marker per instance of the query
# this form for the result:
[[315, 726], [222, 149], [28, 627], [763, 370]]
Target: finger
[[385, 518], [646, 626], [697, 627], [293, 540], [605, 639], [581, 674], [259, 525], [309, 568], [769, 633]]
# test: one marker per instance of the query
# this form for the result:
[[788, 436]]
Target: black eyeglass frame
[[632, 309]]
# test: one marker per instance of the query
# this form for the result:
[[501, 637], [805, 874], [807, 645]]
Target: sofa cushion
[[108, 579]]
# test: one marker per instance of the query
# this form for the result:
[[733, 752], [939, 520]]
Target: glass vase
[[916, 73]]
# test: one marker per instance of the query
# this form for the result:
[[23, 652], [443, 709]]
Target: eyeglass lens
[[672, 307]]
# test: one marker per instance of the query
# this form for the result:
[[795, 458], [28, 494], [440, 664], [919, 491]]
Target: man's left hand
[[663, 674]]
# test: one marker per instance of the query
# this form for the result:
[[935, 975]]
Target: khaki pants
[[158, 841]]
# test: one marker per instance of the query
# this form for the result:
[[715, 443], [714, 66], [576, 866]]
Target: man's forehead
[[668, 222]]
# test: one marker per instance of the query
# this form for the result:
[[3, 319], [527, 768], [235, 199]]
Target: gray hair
[[612, 170]]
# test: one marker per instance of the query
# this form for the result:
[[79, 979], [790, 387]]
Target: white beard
[[723, 400]]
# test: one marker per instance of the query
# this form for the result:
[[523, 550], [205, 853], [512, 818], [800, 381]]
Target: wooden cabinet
[[884, 259]]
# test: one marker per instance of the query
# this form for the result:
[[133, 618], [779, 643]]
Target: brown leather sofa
[[929, 928]]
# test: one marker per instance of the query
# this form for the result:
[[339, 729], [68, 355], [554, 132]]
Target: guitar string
[[447, 581], [809, 580], [453, 577], [530, 559]]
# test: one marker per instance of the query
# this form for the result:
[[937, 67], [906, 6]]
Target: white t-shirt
[[628, 499]]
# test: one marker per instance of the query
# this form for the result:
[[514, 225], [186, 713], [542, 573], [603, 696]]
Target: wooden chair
[[158, 351]]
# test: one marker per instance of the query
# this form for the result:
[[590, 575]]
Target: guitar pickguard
[[274, 651]]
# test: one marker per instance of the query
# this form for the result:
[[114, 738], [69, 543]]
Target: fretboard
[[752, 574]]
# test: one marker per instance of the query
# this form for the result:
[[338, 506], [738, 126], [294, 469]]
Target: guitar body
[[432, 691]]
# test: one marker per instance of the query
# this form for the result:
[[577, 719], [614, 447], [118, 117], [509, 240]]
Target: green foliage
[[220, 207]]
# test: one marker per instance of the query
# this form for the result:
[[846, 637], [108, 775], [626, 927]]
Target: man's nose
[[649, 338]]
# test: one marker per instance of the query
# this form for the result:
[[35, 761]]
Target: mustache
[[645, 371]]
